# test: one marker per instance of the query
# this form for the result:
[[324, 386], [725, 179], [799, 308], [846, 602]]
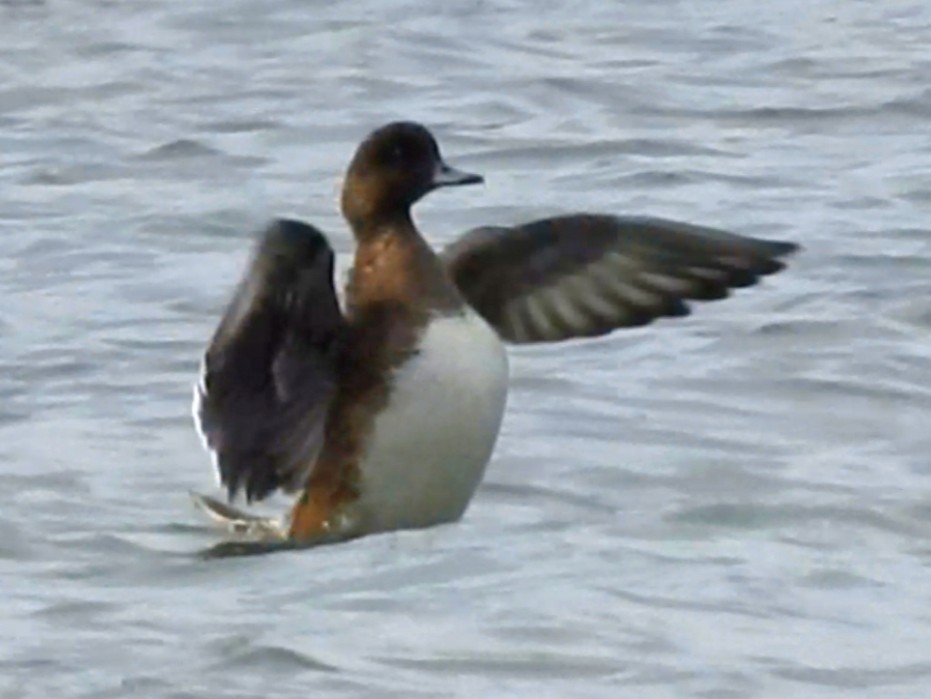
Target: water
[[730, 505]]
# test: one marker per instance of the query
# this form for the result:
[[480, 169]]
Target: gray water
[[735, 504]]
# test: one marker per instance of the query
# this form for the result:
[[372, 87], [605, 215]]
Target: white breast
[[431, 443]]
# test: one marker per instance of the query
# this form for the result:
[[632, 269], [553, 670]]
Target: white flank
[[432, 442]]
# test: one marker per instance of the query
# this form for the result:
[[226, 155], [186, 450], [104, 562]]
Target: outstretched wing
[[269, 372], [585, 275]]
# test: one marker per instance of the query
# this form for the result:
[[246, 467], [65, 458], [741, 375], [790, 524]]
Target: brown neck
[[372, 210], [395, 265], [374, 226]]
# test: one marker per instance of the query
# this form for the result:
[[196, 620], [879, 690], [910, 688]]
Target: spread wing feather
[[269, 372], [584, 275]]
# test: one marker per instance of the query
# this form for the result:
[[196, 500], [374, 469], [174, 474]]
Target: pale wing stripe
[[564, 309], [668, 284], [591, 295], [540, 316], [515, 321]]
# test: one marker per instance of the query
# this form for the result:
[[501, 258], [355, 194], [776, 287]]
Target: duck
[[381, 413]]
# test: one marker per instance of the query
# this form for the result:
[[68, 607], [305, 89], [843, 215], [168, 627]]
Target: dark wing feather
[[585, 275], [269, 372]]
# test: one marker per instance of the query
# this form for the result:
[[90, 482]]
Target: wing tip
[[783, 248]]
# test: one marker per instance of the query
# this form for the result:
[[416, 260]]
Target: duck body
[[384, 413], [431, 442], [422, 389]]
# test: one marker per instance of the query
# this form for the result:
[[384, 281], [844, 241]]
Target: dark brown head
[[394, 167]]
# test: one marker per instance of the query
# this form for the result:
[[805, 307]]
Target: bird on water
[[381, 414]]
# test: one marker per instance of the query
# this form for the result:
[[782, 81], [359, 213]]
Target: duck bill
[[446, 176]]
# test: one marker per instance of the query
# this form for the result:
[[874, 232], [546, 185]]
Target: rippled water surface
[[735, 504]]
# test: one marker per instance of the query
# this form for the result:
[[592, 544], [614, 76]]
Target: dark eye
[[398, 154]]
